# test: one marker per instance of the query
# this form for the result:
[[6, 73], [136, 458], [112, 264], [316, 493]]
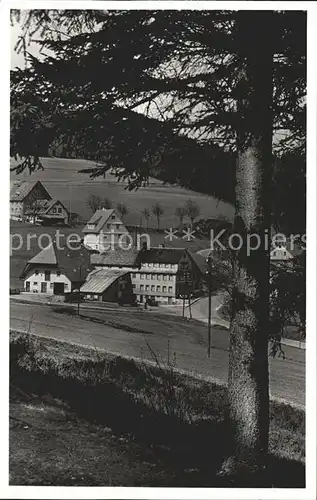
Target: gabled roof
[[44, 206], [99, 280], [46, 256], [99, 218], [20, 189], [116, 257], [75, 264], [53, 202]]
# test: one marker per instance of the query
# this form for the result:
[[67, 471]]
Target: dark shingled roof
[[75, 264], [20, 189], [161, 255], [116, 257]]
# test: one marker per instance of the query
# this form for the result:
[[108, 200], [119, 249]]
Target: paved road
[[166, 335]]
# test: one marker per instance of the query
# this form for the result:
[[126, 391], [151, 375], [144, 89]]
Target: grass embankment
[[176, 419]]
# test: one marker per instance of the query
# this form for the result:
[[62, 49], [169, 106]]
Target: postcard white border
[[309, 492]]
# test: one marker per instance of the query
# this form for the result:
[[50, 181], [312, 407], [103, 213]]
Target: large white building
[[104, 230]]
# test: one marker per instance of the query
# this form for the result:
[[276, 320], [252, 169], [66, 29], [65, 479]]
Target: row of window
[[114, 225], [159, 277], [147, 288], [35, 283], [161, 266], [47, 274], [57, 210]]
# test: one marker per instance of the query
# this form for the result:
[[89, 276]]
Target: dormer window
[[91, 226]]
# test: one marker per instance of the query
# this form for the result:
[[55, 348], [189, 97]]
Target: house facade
[[104, 230], [23, 195], [56, 271], [48, 211]]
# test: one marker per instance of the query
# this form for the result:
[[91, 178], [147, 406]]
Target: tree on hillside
[[180, 212], [32, 208], [146, 214], [157, 211], [106, 203], [122, 209], [192, 210], [217, 77], [94, 202]]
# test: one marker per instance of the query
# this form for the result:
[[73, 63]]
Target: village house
[[31, 202], [280, 254], [24, 194], [160, 274], [56, 271], [104, 230], [48, 212]]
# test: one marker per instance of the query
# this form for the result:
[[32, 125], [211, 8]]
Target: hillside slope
[[63, 181]]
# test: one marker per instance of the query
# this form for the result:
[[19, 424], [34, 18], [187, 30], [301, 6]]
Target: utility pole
[[78, 301], [189, 301], [209, 264], [70, 204]]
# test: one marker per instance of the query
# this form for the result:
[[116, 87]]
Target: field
[[65, 183]]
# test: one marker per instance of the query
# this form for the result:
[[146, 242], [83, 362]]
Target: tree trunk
[[248, 384]]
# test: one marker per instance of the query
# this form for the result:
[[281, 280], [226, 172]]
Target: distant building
[[24, 194], [30, 201], [108, 285], [160, 274], [48, 212], [104, 229], [56, 271], [281, 254]]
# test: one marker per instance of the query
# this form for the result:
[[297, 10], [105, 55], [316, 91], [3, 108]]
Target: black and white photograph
[[162, 218]]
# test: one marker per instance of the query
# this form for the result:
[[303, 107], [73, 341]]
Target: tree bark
[[248, 384]]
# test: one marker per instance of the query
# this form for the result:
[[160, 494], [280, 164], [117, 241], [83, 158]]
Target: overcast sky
[[18, 59]]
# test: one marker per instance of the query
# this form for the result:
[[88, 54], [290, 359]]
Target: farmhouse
[[157, 273], [24, 194], [30, 201], [56, 271], [104, 230]]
